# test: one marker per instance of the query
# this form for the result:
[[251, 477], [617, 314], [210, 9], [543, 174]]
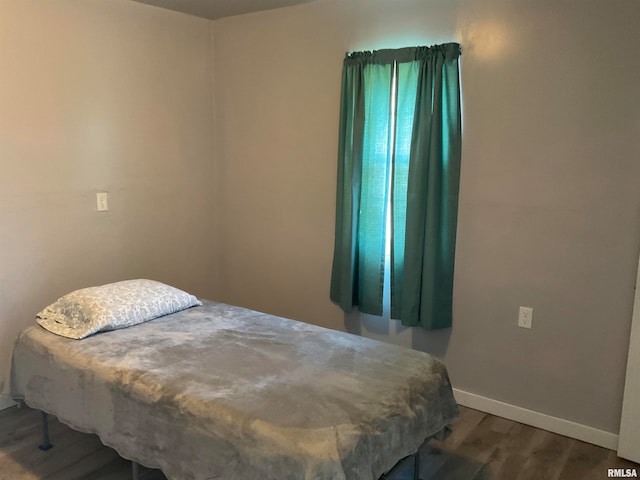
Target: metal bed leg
[[46, 443], [134, 470], [391, 474]]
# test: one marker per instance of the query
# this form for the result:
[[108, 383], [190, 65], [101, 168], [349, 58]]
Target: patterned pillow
[[116, 305]]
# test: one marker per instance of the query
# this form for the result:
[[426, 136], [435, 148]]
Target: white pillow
[[116, 305]]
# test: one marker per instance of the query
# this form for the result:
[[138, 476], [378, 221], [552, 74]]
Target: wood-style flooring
[[481, 447]]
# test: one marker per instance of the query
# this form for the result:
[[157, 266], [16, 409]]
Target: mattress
[[219, 391]]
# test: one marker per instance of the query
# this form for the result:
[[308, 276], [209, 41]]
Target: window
[[398, 175]]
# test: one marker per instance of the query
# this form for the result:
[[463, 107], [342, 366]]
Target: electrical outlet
[[525, 317]]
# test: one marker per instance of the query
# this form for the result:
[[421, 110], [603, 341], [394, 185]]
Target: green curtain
[[363, 172], [425, 286], [414, 168]]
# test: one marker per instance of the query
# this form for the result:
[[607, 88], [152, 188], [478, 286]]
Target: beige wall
[[549, 204], [101, 95]]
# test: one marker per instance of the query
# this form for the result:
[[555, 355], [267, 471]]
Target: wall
[[101, 95], [549, 206]]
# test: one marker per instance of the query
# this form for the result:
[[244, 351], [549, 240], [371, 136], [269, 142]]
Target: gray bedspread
[[228, 393]]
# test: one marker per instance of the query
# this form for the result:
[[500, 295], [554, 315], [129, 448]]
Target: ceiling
[[214, 9]]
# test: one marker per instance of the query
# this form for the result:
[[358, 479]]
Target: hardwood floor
[[481, 447], [485, 447]]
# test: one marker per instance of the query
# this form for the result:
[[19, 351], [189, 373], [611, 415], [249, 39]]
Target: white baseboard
[[537, 419], [6, 402]]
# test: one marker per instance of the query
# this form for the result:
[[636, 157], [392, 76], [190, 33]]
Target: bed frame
[[135, 466]]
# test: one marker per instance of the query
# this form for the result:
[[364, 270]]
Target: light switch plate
[[102, 201]]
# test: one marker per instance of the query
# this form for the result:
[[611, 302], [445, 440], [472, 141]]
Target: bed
[[218, 391]]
